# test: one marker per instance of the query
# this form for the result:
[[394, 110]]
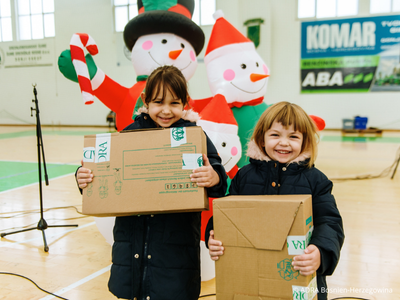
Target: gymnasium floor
[[77, 264]]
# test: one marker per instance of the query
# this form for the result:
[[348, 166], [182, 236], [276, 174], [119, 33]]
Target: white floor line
[[78, 283], [40, 237]]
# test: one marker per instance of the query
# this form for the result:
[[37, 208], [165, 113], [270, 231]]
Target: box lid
[[246, 221]]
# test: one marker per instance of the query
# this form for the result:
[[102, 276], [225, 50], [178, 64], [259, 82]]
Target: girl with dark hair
[[158, 256]]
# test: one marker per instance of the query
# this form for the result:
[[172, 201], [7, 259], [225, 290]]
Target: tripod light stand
[[42, 224]]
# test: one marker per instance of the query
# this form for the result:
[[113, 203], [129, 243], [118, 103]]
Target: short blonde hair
[[287, 114]]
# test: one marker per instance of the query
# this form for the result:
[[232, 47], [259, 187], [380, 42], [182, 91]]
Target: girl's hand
[[205, 176], [309, 262], [215, 247], [84, 176]]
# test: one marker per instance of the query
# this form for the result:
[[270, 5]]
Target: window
[[5, 21], [384, 6], [327, 8], [203, 12], [124, 10], [35, 19]]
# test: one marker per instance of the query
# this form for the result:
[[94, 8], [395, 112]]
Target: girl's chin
[[164, 121], [283, 160]]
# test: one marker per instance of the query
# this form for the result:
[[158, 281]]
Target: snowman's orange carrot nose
[[174, 54], [256, 77]]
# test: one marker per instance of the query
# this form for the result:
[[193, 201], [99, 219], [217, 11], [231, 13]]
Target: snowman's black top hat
[[165, 16]]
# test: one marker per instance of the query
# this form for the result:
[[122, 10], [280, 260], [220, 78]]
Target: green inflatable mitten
[[67, 68]]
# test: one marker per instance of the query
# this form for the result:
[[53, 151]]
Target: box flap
[[246, 221]]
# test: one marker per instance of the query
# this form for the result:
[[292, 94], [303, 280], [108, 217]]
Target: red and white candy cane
[[79, 41]]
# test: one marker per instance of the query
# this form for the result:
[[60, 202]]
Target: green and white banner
[[32, 53], [351, 55]]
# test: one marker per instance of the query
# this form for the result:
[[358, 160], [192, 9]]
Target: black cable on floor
[[14, 274], [202, 296], [331, 299], [34, 211], [386, 172]]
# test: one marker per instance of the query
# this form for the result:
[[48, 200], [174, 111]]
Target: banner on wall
[[33, 53], [351, 55]]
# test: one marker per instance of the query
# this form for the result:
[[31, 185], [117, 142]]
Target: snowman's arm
[[109, 92], [105, 89]]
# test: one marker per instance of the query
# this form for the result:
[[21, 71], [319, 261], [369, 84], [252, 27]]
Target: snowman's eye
[[256, 64], [243, 66], [164, 41], [223, 144], [182, 45]]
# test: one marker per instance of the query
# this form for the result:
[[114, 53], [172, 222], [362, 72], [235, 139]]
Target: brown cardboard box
[[261, 235], [144, 172]]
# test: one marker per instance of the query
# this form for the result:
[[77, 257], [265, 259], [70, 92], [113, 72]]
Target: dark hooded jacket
[[266, 177], [158, 256]]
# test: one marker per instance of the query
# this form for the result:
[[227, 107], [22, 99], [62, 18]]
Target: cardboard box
[[261, 235], [144, 172]]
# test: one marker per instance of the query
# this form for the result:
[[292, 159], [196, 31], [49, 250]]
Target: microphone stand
[[42, 225]]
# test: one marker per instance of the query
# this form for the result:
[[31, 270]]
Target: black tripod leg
[[46, 248], [74, 225], [8, 233]]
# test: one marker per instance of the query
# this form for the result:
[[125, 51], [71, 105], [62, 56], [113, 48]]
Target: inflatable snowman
[[218, 122], [162, 34], [237, 73]]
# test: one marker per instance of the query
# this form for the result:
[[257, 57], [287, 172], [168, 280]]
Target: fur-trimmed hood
[[188, 115], [254, 152]]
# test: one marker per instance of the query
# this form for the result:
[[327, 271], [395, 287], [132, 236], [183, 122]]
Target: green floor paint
[[360, 139], [13, 135], [17, 174]]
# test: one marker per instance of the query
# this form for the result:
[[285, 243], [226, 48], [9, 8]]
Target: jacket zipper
[[144, 289]]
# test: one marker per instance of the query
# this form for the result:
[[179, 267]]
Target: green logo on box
[[308, 221], [200, 161], [178, 133], [103, 188], [299, 295], [286, 270]]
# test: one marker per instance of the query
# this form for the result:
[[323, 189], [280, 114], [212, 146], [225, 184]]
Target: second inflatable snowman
[[236, 72]]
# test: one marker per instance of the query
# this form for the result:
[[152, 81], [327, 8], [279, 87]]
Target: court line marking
[[78, 283]]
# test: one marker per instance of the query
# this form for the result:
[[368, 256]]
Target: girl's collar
[[253, 151]]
